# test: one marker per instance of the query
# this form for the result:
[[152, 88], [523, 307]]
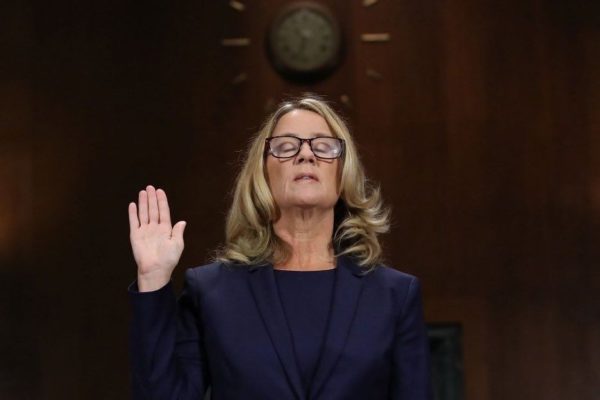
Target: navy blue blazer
[[228, 331]]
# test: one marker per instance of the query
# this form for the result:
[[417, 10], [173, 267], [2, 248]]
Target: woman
[[297, 306]]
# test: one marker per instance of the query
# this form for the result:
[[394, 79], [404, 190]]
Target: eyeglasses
[[289, 146]]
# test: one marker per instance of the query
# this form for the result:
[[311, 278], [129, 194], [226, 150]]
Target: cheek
[[338, 178], [274, 176], [333, 178]]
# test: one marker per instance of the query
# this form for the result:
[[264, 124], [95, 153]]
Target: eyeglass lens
[[289, 146]]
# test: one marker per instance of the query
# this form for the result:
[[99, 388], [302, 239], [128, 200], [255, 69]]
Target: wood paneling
[[483, 132]]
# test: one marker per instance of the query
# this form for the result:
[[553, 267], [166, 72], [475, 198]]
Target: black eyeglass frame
[[268, 149]]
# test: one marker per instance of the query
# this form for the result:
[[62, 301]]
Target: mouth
[[306, 177]]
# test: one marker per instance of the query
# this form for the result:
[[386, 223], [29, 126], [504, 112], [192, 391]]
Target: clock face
[[304, 40]]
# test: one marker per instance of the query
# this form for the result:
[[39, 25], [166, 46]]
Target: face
[[304, 180]]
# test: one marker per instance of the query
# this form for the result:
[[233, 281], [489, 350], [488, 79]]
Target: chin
[[309, 199], [312, 202], [306, 203]]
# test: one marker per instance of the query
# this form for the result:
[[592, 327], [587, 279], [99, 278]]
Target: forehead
[[302, 123]]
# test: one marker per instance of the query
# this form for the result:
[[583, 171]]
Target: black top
[[306, 300]]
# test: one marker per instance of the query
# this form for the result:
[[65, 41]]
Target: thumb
[[178, 229]]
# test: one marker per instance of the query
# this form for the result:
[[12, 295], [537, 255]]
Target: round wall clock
[[304, 41]]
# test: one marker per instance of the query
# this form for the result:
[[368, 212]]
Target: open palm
[[156, 244]]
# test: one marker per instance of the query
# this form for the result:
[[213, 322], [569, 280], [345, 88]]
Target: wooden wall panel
[[482, 129]]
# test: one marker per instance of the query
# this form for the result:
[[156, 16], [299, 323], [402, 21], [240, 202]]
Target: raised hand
[[156, 245]]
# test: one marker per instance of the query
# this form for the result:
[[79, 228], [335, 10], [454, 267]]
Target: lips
[[306, 176]]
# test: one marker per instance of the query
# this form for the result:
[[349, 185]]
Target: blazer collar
[[346, 294]]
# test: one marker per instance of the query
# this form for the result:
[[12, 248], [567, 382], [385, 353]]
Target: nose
[[306, 154]]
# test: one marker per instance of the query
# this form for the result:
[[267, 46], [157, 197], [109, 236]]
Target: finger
[[163, 207], [134, 223], [152, 204], [178, 229], [143, 207]]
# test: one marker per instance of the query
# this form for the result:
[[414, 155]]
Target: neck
[[308, 232]]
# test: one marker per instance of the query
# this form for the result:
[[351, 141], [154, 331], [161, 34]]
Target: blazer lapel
[[264, 290], [346, 295]]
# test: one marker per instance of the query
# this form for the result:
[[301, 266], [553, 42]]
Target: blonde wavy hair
[[359, 215]]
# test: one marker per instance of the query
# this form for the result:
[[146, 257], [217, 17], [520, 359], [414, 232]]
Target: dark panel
[[479, 119]]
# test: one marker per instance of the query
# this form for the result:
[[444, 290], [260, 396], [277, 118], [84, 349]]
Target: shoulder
[[215, 268], [401, 286], [205, 270], [380, 276], [402, 291], [385, 275], [209, 276]]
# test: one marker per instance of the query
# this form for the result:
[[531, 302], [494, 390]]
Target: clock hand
[[305, 35]]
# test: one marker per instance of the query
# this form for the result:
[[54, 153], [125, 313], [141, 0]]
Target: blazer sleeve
[[168, 360], [411, 355]]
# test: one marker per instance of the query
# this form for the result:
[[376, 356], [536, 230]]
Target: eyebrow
[[314, 135]]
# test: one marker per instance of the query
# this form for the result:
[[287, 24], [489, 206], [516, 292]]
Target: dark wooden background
[[484, 133]]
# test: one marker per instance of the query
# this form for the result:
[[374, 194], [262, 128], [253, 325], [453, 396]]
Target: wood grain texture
[[481, 124]]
